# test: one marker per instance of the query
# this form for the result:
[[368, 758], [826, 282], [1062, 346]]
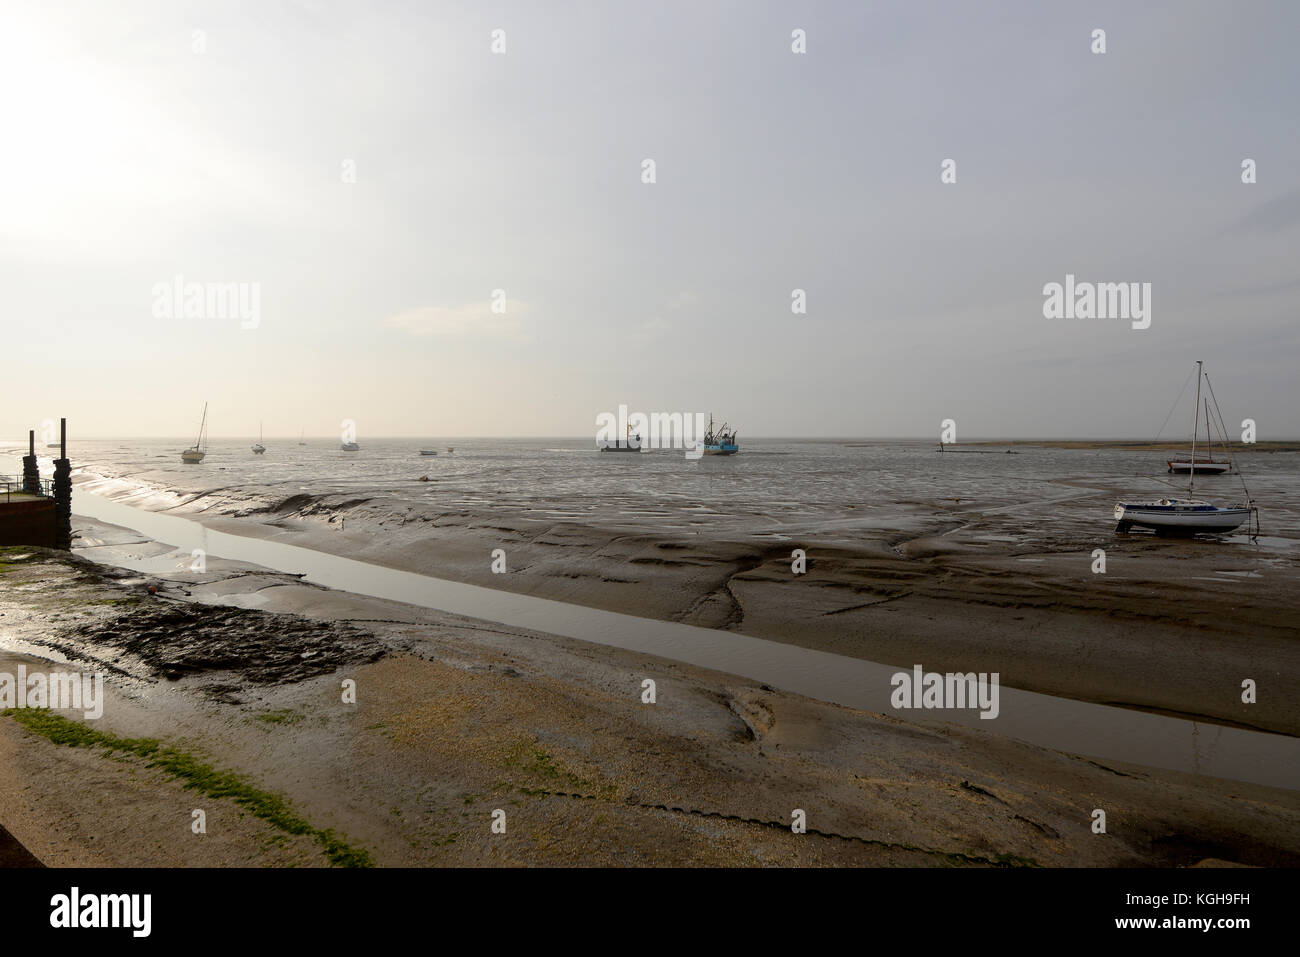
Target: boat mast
[[1196, 425], [1209, 440], [202, 422]]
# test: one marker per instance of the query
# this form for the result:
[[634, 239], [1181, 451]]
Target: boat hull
[[721, 449], [1202, 468], [192, 456], [1176, 517]]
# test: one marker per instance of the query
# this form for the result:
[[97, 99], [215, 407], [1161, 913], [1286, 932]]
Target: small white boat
[[428, 451], [351, 447], [259, 448], [1175, 515], [195, 453]]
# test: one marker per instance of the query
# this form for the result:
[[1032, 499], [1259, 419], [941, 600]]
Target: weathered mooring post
[[63, 492], [31, 474]]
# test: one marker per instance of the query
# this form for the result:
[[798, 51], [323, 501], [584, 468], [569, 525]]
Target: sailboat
[[300, 437], [1187, 463], [259, 448], [195, 453], [1172, 516]]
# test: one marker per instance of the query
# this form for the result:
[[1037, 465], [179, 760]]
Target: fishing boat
[[721, 442], [259, 448], [631, 444], [1172, 516], [195, 453]]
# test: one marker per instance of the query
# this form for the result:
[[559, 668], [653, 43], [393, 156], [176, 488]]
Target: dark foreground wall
[[28, 523]]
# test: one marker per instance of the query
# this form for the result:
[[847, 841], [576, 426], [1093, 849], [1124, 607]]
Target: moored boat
[[1207, 466], [1173, 516], [259, 448], [631, 444], [195, 453], [721, 442]]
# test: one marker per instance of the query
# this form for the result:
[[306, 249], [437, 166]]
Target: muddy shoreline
[[1171, 627], [457, 718]]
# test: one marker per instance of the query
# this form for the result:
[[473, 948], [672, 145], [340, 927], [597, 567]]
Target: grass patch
[[195, 775], [541, 767], [282, 716]]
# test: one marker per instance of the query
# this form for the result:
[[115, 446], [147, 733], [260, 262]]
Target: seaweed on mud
[[174, 640]]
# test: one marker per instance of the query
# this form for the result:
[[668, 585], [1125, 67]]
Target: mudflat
[[458, 723]]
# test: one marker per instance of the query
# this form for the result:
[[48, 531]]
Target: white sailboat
[[301, 435], [259, 448], [1172, 516], [195, 453]]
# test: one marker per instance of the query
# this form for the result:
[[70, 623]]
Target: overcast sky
[[135, 150]]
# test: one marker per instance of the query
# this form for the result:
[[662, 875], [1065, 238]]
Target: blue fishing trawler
[[721, 442]]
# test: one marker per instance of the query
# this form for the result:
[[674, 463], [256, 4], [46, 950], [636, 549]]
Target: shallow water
[[836, 492]]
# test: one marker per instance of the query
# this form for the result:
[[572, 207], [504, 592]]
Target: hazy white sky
[[135, 150]]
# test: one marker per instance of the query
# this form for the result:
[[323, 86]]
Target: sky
[[373, 172]]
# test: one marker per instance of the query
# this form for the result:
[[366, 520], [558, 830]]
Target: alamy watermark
[[1098, 300], [179, 299], [62, 691], [930, 689], [658, 430]]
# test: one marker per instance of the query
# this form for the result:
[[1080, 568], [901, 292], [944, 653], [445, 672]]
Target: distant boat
[[721, 442], [450, 450], [195, 453], [1186, 463], [428, 451], [1207, 466], [631, 444], [1188, 516], [53, 445], [259, 448], [300, 435], [351, 447]]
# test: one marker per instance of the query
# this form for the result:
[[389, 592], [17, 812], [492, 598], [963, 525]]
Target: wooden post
[[31, 473], [63, 492]]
